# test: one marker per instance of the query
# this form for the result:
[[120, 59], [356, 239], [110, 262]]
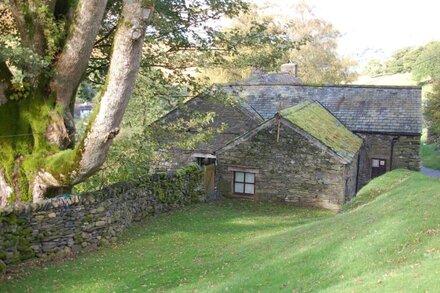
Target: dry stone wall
[[68, 224]]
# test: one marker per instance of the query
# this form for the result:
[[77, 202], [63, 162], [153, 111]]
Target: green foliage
[[27, 65], [374, 68], [432, 109], [388, 243], [86, 92], [403, 60], [427, 65], [430, 156], [54, 30]]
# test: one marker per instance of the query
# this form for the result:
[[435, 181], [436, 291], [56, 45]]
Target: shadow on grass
[[246, 246]]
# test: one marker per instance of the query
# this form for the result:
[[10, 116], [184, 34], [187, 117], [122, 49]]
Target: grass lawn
[[430, 157], [387, 240]]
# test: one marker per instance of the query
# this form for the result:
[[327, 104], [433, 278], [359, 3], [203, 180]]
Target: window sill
[[243, 196]]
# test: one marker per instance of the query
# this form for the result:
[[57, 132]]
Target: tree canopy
[[315, 51]]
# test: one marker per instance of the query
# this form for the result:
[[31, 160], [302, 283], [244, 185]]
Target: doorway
[[378, 167]]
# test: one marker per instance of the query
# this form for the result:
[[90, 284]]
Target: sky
[[374, 29]]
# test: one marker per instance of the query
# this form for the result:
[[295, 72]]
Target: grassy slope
[[399, 79], [386, 240], [430, 157]]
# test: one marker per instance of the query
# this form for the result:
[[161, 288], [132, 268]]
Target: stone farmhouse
[[309, 145]]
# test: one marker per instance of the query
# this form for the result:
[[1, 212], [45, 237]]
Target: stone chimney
[[255, 71], [291, 68]]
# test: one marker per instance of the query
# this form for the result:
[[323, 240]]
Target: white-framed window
[[244, 183]]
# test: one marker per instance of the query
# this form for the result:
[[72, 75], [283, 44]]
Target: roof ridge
[[326, 85], [300, 106]]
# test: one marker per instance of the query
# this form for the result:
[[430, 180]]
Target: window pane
[[239, 177], [382, 163], [238, 187], [249, 189], [250, 177], [375, 163]]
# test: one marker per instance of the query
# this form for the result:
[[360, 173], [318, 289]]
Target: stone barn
[[304, 158]]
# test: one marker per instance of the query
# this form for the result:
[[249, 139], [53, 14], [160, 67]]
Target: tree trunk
[[35, 158]]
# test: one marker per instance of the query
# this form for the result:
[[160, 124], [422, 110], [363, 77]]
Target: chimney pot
[[291, 68], [255, 71]]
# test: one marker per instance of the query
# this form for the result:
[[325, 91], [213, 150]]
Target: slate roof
[[315, 120], [377, 109]]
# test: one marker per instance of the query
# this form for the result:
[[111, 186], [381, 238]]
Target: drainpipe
[[357, 171], [393, 141]]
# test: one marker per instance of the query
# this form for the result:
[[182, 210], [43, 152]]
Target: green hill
[[386, 240], [398, 79]]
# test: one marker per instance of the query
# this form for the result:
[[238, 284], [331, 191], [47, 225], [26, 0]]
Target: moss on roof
[[314, 119]]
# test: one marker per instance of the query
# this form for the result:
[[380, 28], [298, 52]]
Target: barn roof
[[314, 119], [377, 109]]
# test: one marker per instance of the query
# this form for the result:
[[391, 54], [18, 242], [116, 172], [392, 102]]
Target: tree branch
[[124, 66], [103, 38], [73, 60]]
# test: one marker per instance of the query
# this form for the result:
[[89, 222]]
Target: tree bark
[[5, 190], [32, 38], [5, 82], [73, 60], [124, 66]]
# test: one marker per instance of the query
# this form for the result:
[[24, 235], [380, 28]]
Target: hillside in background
[[399, 79]]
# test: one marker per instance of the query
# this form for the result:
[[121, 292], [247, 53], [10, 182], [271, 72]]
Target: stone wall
[[63, 225], [293, 170], [406, 153]]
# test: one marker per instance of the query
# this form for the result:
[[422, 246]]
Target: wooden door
[[378, 167], [209, 180]]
